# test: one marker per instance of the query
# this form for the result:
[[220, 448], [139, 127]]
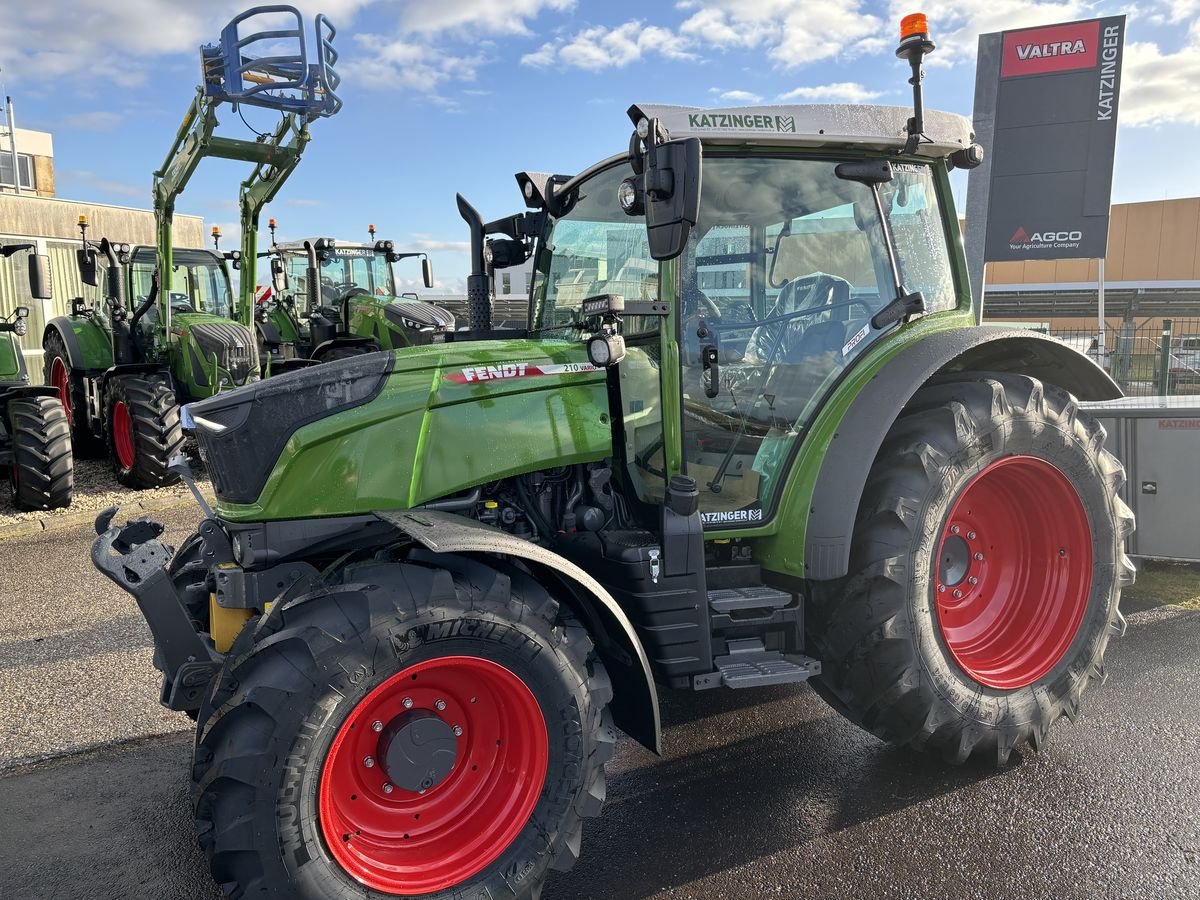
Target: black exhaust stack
[[479, 305]]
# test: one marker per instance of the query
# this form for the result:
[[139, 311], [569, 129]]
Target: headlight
[[606, 350], [643, 128], [629, 195], [21, 328], [487, 253]]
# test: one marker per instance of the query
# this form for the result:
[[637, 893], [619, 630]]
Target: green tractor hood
[[395, 430], [216, 355]]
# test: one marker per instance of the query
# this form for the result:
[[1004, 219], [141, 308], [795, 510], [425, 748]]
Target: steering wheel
[[180, 303]]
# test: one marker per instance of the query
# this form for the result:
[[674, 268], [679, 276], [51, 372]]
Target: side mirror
[[85, 259], [39, 278], [666, 185], [427, 271], [865, 171], [279, 279]]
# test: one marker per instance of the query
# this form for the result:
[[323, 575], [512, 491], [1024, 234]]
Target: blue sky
[[457, 95]]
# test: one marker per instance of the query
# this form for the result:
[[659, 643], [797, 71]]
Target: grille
[[232, 344]]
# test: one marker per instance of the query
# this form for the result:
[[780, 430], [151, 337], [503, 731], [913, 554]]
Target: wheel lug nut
[[377, 725], [441, 704], [387, 788], [958, 595], [973, 580], [954, 529], [979, 557], [368, 762], [407, 702], [941, 589], [970, 535], [458, 731]]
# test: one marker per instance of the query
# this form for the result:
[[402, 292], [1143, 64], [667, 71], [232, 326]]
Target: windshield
[[198, 281], [595, 249], [343, 270]]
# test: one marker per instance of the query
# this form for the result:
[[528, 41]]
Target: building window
[[24, 161], [506, 281]]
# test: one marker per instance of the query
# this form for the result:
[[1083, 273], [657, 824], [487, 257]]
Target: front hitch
[[136, 561]]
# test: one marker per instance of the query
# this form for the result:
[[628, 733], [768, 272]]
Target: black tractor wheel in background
[[42, 471], [59, 374], [142, 429], [986, 569], [434, 728]]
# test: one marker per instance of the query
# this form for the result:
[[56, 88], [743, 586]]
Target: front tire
[[142, 430], [986, 570], [318, 705], [69, 384], [42, 473]]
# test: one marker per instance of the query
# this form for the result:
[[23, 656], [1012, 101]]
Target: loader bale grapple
[[751, 436]]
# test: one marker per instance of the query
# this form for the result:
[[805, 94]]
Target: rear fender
[[844, 469], [635, 699]]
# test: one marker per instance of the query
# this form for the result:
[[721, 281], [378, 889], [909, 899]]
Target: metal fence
[[1155, 357]]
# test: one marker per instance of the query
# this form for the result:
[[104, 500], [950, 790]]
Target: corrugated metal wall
[[53, 226]]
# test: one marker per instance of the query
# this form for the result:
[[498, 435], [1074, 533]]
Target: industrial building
[[36, 214]]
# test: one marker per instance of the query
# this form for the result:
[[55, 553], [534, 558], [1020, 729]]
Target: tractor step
[[750, 664], [728, 600]]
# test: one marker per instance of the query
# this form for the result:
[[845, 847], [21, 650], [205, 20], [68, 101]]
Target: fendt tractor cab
[[157, 340], [780, 451], [35, 439], [331, 299]]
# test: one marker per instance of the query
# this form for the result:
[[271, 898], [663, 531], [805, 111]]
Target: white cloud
[[481, 16], [398, 63], [794, 32], [601, 47], [98, 182], [1158, 87], [735, 96], [430, 244], [98, 120], [838, 92]]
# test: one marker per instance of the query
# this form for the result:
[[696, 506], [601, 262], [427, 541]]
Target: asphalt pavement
[[760, 794]]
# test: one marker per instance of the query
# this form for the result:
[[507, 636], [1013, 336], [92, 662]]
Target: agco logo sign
[[1022, 238]]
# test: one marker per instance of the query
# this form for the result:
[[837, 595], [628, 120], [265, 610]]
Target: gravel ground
[[95, 489]]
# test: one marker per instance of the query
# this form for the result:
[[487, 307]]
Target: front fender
[[845, 466], [635, 698], [89, 346]]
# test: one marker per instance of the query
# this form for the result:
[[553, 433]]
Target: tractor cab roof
[[815, 125], [353, 249]]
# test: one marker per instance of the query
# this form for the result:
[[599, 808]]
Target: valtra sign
[[1054, 94], [1054, 49]]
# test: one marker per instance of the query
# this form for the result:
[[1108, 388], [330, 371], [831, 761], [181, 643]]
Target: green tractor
[[35, 438], [764, 444], [331, 299], [168, 329]]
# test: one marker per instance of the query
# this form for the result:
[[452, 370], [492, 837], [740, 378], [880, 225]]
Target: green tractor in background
[[35, 437], [764, 444], [167, 329], [332, 299]]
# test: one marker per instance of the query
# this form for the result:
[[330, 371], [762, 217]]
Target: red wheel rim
[[1014, 572], [405, 841], [62, 383], [122, 429]]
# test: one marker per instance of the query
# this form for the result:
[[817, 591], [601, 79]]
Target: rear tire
[[915, 651], [142, 430], [285, 804], [42, 473], [59, 374]]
